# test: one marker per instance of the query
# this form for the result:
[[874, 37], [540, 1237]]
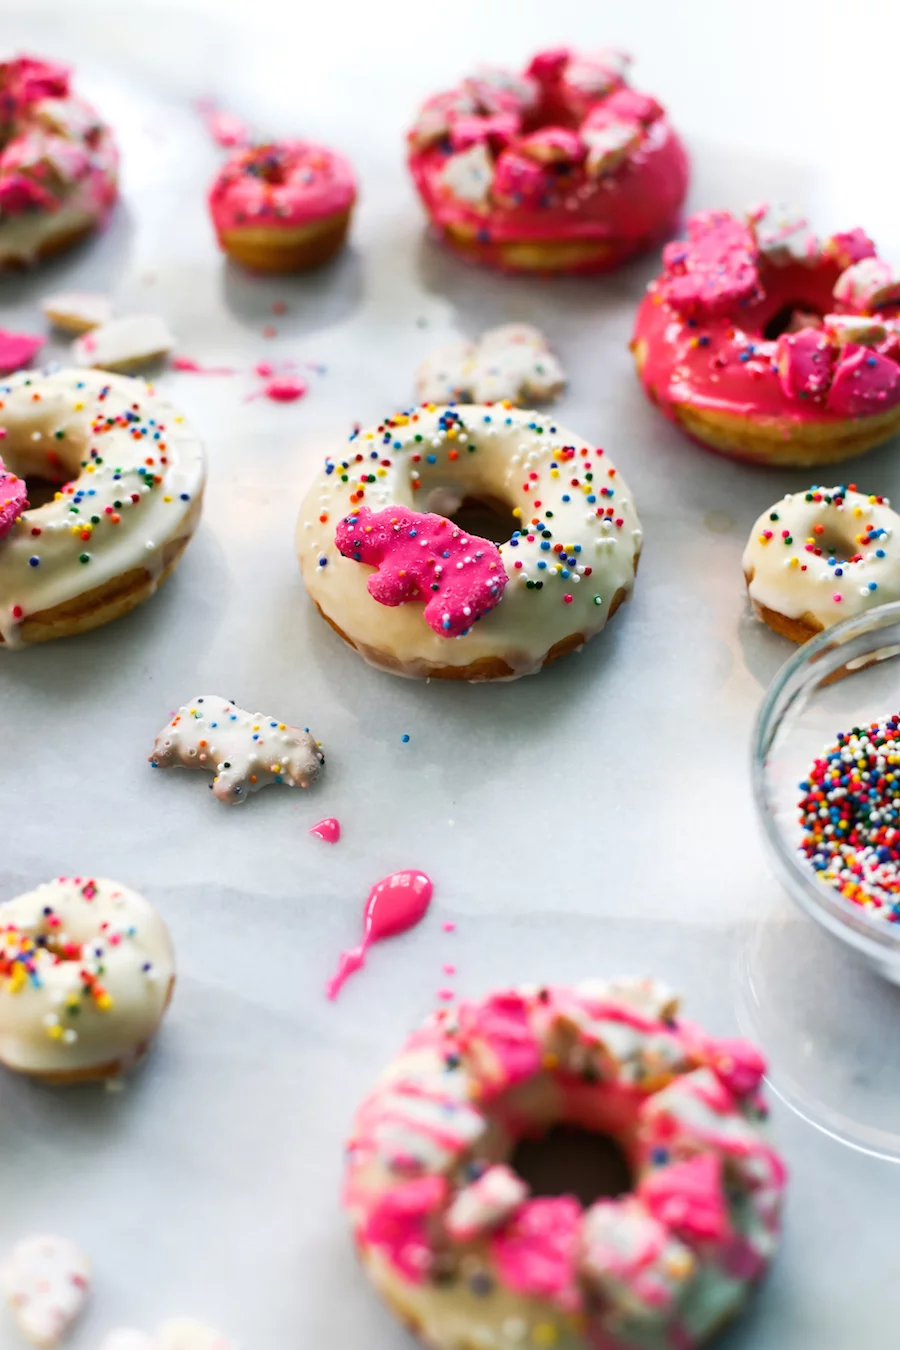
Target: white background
[[592, 820]]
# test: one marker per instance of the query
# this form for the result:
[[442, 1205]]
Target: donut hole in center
[[791, 317], [568, 1160], [42, 460], [477, 513]]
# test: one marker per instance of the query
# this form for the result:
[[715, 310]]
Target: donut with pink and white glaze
[[766, 344], [58, 163], [283, 206], [562, 168], [466, 1257]]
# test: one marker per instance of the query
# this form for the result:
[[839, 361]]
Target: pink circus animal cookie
[[46, 1282], [425, 557], [283, 206], [244, 750], [450, 1234], [13, 499], [765, 344], [562, 168], [58, 162]]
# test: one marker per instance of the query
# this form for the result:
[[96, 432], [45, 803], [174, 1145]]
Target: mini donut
[[563, 168], [444, 603], [58, 163], [86, 972], [767, 345], [283, 207], [131, 475], [820, 556], [448, 1232]]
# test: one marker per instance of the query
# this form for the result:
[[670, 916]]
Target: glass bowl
[[843, 677]]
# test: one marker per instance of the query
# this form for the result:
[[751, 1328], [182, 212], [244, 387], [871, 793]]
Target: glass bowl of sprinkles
[[826, 780]]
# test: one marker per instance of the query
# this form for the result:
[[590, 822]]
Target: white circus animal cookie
[[124, 344], [245, 750], [468, 176], [46, 1282], [511, 362], [77, 311]]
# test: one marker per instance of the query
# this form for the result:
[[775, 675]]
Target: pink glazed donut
[[283, 207], [469, 1260], [58, 163], [560, 169], [765, 344]]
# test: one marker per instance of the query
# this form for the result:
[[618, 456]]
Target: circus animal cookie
[[77, 311], [283, 207], [512, 362], [58, 163], [568, 565], [765, 344], [562, 168], [124, 344], [180, 1335], [131, 476], [821, 556], [46, 1282], [448, 1232], [86, 973], [244, 750]]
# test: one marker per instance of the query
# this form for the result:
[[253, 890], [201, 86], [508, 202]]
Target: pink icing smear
[[328, 829], [225, 129], [418, 557], [187, 363], [537, 1252], [13, 499], [281, 186], [17, 350], [395, 905]]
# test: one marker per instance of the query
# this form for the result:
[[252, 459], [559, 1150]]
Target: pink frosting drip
[[13, 499], [702, 327], [281, 186], [541, 188], [18, 350], [537, 1252], [328, 829], [425, 557], [394, 905]]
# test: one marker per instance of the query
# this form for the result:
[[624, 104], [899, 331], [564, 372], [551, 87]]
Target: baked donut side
[[131, 475], [567, 567]]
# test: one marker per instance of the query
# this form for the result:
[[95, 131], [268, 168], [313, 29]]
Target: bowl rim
[[852, 924]]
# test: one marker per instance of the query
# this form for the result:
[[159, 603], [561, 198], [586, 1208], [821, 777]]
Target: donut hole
[[568, 1160], [791, 317], [477, 513], [42, 459]]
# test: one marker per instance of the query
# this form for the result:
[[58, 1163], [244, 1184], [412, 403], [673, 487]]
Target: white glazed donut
[[86, 973], [820, 556], [449, 1234], [548, 589], [132, 475]]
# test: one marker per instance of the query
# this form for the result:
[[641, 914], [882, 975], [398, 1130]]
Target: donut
[[489, 612], [131, 476], [466, 1256], [820, 556], [283, 207], [86, 972], [562, 168], [767, 345], [58, 163]]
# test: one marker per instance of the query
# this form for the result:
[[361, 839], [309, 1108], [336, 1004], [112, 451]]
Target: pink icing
[[499, 1031], [285, 389], [398, 1225], [497, 131], [536, 1253], [328, 829], [738, 1064], [622, 211], [187, 363], [688, 1198], [701, 329], [13, 499], [425, 557], [394, 905], [225, 129], [281, 185], [18, 350]]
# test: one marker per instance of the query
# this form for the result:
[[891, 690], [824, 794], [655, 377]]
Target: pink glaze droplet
[[285, 389], [449, 926], [328, 829], [195, 368], [225, 129], [394, 905], [17, 350]]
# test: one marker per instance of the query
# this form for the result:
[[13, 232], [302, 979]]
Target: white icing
[[609, 145], [596, 76], [511, 362], [468, 175], [77, 311], [778, 579], [108, 465], [652, 998], [489, 82], [485, 1204], [510, 447], [121, 344], [50, 1024], [783, 236], [46, 1282], [245, 750]]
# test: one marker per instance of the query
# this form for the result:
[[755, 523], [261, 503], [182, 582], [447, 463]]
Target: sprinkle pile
[[850, 811]]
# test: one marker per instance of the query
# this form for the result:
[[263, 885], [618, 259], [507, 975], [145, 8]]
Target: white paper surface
[[594, 820]]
